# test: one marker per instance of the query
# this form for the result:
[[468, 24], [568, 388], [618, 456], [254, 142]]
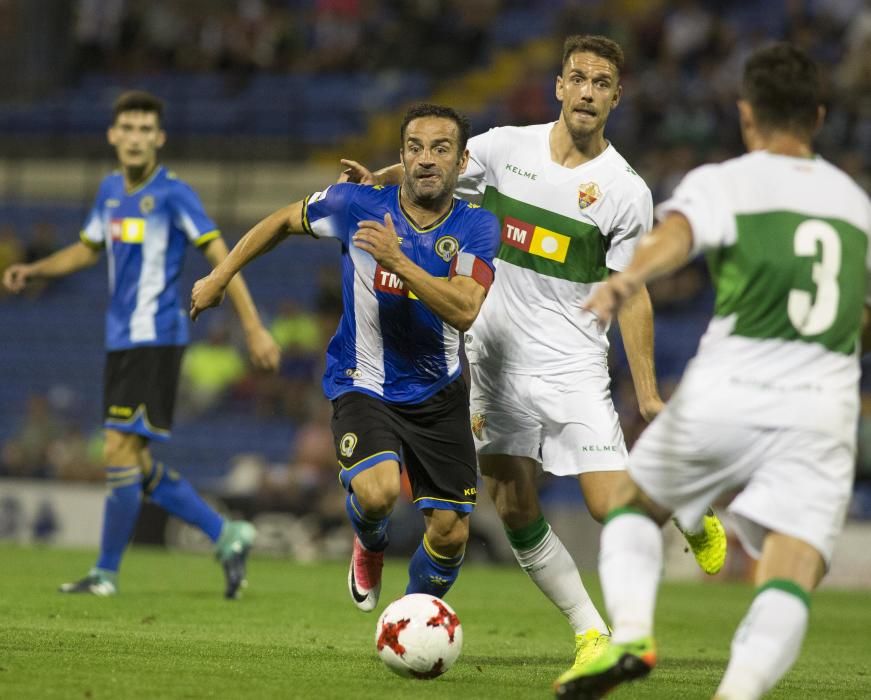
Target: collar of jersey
[[434, 225], [812, 156], [556, 167], [145, 184]]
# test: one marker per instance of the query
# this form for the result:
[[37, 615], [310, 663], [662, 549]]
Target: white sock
[[553, 570], [767, 642], [630, 564]]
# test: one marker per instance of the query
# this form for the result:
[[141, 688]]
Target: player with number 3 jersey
[[770, 403]]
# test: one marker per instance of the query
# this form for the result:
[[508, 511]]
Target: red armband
[[469, 265]]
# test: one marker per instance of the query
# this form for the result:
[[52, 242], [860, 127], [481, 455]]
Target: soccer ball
[[419, 636]]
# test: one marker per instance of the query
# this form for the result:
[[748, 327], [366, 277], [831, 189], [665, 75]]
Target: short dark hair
[[601, 46], [137, 101], [782, 85], [426, 109]]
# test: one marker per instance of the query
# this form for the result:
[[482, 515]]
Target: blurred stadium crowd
[[308, 80]]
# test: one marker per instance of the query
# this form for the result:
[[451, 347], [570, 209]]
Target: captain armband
[[470, 265]]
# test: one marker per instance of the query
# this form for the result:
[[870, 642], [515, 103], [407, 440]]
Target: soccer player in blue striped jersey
[[416, 265], [145, 218]]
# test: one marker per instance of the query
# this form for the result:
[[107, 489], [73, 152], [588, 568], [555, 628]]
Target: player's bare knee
[[376, 497], [375, 501], [122, 449], [448, 533]]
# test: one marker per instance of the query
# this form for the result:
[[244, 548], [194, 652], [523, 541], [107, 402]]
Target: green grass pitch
[[295, 634]]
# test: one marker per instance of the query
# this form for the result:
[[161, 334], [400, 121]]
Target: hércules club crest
[[588, 193]]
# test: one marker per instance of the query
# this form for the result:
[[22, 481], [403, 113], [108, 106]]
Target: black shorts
[[139, 387], [433, 438]]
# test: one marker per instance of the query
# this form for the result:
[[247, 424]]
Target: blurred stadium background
[[263, 98]]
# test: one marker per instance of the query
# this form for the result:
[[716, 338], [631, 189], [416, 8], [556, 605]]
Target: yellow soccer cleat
[[709, 544], [616, 664], [589, 645]]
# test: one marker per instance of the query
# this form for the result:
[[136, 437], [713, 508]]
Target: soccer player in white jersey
[[770, 403], [572, 211], [144, 217]]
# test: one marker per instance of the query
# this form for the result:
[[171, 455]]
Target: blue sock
[[172, 492], [372, 533], [429, 572], [119, 515]]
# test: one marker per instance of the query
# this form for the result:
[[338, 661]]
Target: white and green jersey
[[787, 244], [562, 230]]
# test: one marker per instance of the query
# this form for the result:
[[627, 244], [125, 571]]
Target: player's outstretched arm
[[666, 248], [358, 173], [64, 262], [635, 317], [263, 237], [262, 348], [456, 301]]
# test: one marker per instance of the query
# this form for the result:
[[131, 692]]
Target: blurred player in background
[[145, 217], [771, 401], [416, 266], [572, 210]]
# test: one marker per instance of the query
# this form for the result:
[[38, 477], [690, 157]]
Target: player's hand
[[380, 241], [207, 292], [357, 173], [263, 349], [605, 302], [16, 277], [650, 408]]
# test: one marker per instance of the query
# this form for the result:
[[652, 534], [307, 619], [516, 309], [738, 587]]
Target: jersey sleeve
[[190, 216], [93, 233], [325, 213], [479, 247], [473, 181], [699, 197], [635, 220]]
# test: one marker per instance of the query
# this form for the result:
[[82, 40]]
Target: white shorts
[[795, 482], [567, 421]]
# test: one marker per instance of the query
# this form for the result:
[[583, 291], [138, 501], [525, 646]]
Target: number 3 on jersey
[[814, 314]]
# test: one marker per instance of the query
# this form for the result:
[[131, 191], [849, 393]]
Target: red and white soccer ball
[[419, 636]]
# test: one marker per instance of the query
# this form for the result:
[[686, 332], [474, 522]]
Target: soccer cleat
[[709, 544], [589, 645], [617, 664], [364, 576], [97, 582], [232, 549]]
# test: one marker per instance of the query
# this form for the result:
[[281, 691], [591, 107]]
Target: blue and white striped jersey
[[389, 344], [146, 233]]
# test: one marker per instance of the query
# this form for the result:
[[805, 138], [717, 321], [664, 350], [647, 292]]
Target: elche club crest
[[479, 420], [588, 193]]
